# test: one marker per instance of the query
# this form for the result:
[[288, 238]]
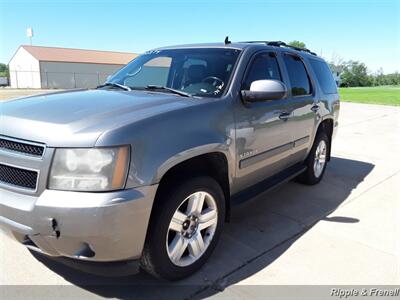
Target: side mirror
[[264, 90]]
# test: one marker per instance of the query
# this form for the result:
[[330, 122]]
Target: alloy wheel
[[192, 228], [320, 158]]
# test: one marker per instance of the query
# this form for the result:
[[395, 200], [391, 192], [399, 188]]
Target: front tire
[[184, 228], [316, 160]]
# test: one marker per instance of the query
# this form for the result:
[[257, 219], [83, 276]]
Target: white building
[[50, 67]]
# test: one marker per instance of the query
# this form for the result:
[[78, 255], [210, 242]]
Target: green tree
[[392, 79], [336, 64], [297, 44], [4, 70], [379, 78], [355, 74]]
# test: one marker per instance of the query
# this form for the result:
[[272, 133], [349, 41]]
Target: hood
[[78, 118]]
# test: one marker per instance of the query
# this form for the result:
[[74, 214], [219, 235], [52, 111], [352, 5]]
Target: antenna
[[227, 41], [29, 34]]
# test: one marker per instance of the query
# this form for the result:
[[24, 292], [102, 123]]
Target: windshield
[[197, 72]]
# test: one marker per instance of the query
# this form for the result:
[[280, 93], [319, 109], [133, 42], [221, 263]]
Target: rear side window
[[264, 66], [324, 76], [299, 80]]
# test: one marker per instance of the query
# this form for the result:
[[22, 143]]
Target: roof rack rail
[[301, 49], [276, 43], [281, 44]]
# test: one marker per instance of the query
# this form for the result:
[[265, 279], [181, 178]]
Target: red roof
[[79, 55]]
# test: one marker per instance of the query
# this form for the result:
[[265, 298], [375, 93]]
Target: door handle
[[284, 116], [315, 108]]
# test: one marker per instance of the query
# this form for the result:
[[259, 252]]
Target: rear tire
[[316, 161], [179, 242]]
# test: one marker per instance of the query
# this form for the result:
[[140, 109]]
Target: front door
[[263, 139]]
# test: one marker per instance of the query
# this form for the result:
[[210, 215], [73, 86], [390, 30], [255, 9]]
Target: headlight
[[93, 169]]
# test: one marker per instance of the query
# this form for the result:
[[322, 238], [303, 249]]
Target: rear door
[[302, 105]]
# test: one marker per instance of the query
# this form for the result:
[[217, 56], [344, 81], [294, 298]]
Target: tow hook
[[56, 229]]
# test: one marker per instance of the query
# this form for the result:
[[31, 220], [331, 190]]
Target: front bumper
[[88, 226]]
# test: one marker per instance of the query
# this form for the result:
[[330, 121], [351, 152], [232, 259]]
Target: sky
[[361, 30]]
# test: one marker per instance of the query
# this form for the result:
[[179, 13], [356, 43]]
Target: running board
[[267, 184]]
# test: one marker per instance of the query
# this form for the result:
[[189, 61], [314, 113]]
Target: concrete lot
[[343, 231]]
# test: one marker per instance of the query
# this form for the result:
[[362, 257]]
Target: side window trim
[[252, 59], [310, 80]]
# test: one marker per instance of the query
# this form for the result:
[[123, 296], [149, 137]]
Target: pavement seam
[[358, 242], [368, 189], [355, 156], [370, 119]]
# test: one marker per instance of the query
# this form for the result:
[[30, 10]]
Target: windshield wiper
[[171, 90], [121, 86]]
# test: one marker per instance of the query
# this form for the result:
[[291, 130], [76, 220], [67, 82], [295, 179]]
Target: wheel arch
[[326, 125], [214, 164]]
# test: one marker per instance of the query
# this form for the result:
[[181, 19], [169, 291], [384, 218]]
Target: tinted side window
[[324, 76], [298, 76], [264, 66]]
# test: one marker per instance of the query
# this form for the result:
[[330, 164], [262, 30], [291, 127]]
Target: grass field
[[387, 95]]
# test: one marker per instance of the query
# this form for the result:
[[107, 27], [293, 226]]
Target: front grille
[[21, 147], [18, 177]]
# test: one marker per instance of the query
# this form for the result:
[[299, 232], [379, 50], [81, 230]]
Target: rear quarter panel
[[329, 104]]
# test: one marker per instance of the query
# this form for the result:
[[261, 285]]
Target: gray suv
[[147, 166]]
